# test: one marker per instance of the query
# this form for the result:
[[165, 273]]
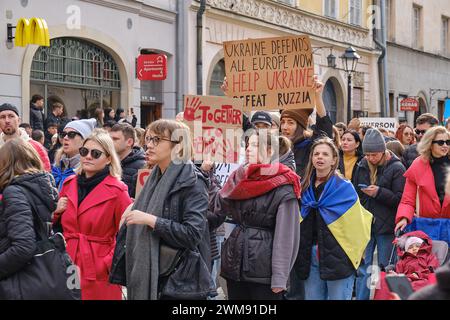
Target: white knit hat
[[412, 240], [83, 127]]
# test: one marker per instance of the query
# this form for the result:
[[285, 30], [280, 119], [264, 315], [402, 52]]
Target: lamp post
[[350, 61]]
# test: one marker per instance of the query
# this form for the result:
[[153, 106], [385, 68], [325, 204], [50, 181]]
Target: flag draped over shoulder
[[348, 221]]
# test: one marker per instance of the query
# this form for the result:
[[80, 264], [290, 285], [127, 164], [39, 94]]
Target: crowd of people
[[309, 205]]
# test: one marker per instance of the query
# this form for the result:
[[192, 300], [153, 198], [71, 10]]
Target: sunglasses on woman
[[441, 142], [420, 132], [70, 135], [94, 152]]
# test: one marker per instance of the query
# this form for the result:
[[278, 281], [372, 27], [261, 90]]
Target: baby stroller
[[439, 249]]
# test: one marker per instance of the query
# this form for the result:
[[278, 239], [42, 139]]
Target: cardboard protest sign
[[142, 177], [389, 124], [224, 170], [271, 73], [216, 127]]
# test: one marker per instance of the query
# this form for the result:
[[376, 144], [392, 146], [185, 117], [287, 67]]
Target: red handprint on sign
[[191, 107]]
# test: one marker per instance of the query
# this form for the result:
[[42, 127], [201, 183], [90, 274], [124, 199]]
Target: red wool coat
[[90, 232], [419, 264], [420, 181]]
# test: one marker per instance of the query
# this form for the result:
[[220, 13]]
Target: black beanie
[[8, 106]]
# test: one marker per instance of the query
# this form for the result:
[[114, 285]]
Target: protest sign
[[216, 127], [142, 177], [389, 124], [223, 171], [271, 73]]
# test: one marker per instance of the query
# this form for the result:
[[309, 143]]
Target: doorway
[[150, 112]]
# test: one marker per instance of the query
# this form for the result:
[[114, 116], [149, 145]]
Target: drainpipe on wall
[[382, 61], [200, 13], [180, 46]]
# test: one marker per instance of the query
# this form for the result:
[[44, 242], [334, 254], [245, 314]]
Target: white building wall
[[101, 21]]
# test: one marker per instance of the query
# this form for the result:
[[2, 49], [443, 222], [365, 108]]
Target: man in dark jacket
[[132, 158], [423, 123], [36, 113], [380, 183], [55, 117]]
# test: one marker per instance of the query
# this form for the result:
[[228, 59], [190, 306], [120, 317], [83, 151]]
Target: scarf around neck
[[259, 179], [142, 253], [86, 185]]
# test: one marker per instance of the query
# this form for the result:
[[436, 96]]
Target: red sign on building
[[151, 67], [409, 104]]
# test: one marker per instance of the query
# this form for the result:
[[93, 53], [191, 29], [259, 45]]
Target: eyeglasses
[[420, 132], [156, 140], [407, 134], [70, 135], [441, 142], [94, 152]]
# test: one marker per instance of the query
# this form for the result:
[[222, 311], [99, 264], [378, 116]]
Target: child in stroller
[[416, 259]]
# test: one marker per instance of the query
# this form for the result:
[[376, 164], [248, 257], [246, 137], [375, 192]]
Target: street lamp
[[350, 61]]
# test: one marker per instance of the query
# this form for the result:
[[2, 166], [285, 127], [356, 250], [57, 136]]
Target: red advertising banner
[[151, 67], [409, 104], [216, 127]]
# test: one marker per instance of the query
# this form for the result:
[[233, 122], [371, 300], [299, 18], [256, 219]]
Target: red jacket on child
[[422, 264]]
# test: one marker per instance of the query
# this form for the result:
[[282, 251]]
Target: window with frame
[[288, 2], [444, 36], [217, 79], [390, 20], [417, 26], [355, 12], [331, 8]]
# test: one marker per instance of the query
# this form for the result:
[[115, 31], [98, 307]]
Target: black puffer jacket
[[384, 205], [334, 263], [17, 231], [36, 118], [183, 224], [247, 253], [130, 166], [302, 149], [410, 155]]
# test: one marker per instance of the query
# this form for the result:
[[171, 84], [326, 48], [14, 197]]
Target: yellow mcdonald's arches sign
[[33, 31]]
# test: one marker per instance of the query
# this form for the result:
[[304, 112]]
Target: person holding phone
[[380, 181]]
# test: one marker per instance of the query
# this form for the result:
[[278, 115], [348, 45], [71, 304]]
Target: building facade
[[331, 29], [418, 55], [91, 59]]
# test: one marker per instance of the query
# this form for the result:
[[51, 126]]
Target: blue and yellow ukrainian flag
[[349, 222]]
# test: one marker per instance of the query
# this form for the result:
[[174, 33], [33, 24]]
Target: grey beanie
[[83, 127], [373, 141]]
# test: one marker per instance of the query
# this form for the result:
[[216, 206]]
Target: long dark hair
[[310, 170], [355, 134]]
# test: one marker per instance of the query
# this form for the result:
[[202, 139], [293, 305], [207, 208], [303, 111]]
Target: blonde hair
[[424, 146], [18, 157], [175, 131], [102, 138], [310, 168]]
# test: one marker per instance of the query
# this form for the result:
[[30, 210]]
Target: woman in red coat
[[89, 210], [424, 192]]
